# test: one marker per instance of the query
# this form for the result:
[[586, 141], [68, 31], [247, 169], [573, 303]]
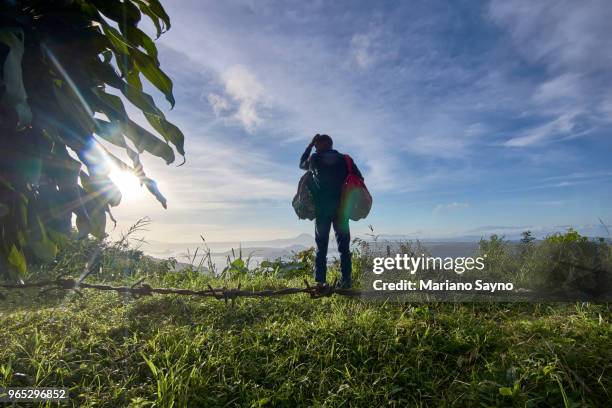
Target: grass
[[168, 351]]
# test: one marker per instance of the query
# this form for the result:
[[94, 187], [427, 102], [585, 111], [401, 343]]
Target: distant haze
[[460, 245]]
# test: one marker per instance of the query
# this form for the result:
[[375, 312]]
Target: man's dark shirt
[[329, 172]]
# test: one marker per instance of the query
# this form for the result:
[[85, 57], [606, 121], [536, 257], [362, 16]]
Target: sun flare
[[127, 183]]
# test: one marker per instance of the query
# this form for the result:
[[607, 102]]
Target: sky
[[465, 117]]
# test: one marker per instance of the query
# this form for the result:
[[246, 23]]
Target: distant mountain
[[511, 233], [457, 245], [303, 240]]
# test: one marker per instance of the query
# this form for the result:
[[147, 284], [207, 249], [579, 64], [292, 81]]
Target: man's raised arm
[[305, 159]]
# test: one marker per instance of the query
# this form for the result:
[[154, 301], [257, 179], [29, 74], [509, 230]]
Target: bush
[[572, 264], [502, 261]]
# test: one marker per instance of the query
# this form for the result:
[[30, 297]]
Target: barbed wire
[[140, 289]]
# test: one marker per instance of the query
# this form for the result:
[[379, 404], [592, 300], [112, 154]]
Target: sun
[[127, 183]]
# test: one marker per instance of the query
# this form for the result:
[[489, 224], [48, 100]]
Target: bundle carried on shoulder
[[303, 202], [356, 199]]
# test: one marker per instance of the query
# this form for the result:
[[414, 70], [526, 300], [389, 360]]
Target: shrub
[[572, 264]]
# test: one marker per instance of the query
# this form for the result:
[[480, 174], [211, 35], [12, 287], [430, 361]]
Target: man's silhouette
[[329, 172]]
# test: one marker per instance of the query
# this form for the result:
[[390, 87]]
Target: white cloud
[[372, 47], [361, 49], [555, 129], [581, 175], [568, 40], [605, 108], [242, 86], [449, 207], [566, 34], [218, 103], [561, 87], [442, 136]]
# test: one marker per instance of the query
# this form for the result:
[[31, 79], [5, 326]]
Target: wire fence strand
[[140, 288]]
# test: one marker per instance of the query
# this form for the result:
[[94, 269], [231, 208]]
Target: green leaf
[[150, 69], [152, 187], [133, 78], [169, 131], [73, 108], [14, 94], [110, 105], [144, 140], [107, 56], [98, 222], [150, 364], [140, 99], [139, 38], [159, 11], [110, 132], [119, 43], [17, 259], [117, 161], [145, 103], [38, 241], [148, 65], [122, 12], [155, 11], [505, 391], [146, 10], [105, 73], [96, 205]]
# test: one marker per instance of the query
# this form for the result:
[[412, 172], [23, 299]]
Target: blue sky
[[465, 117]]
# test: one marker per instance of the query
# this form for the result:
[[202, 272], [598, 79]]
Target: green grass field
[[295, 351]]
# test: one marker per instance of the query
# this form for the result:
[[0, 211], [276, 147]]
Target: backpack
[[303, 202], [356, 200]]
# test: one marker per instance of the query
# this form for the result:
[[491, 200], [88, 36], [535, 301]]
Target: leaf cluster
[[66, 68]]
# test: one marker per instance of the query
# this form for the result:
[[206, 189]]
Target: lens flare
[[127, 183]]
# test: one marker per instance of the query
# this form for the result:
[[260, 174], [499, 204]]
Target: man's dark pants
[[323, 223]]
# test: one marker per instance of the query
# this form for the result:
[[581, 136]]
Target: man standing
[[329, 172]]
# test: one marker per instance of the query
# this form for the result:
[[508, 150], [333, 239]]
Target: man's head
[[323, 142]]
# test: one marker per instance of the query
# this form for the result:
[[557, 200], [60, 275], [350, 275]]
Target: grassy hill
[[165, 351], [178, 351]]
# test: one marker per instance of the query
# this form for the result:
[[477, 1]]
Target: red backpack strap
[[349, 163]]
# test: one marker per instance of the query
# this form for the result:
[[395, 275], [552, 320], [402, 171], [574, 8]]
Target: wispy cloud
[[244, 88], [360, 44], [593, 175], [566, 35], [566, 39], [219, 103], [563, 87], [556, 129], [449, 207], [374, 46]]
